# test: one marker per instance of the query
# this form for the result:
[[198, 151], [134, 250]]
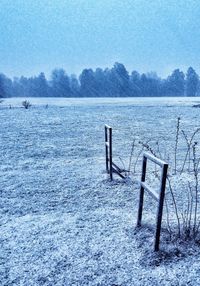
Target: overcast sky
[[145, 35]]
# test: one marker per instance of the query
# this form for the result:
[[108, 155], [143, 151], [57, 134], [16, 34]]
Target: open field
[[62, 222]]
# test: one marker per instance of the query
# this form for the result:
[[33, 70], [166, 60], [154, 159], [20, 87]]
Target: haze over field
[[38, 36]]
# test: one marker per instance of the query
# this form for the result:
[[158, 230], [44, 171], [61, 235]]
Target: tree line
[[113, 82]]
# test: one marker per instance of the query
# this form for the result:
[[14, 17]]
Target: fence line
[[111, 168]]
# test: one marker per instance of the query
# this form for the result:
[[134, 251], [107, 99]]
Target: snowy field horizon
[[63, 101], [62, 221]]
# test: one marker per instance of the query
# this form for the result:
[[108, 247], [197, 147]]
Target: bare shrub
[[26, 104], [186, 204], [182, 191]]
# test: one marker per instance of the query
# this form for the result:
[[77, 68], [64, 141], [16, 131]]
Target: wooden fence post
[[110, 153], [160, 206], [106, 146], [141, 199], [159, 197], [111, 167]]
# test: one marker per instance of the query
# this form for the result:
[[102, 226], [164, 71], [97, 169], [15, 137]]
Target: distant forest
[[114, 82]]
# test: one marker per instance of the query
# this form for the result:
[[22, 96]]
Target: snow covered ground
[[62, 222]]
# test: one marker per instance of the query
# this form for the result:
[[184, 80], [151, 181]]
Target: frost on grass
[[62, 221]]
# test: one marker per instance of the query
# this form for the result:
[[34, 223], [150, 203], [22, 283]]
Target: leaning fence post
[[110, 152], [141, 199], [106, 146], [160, 207]]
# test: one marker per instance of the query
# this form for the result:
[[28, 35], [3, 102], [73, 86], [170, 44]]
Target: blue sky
[[157, 35]]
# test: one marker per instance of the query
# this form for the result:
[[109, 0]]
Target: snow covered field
[[62, 221]]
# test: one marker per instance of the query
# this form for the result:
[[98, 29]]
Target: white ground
[[62, 221]]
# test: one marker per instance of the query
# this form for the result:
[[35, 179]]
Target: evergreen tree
[[2, 92], [74, 86], [119, 78], [175, 84], [60, 84], [88, 85], [192, 81], [6, 87], [135, 88]]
